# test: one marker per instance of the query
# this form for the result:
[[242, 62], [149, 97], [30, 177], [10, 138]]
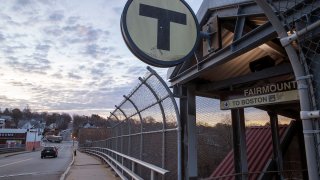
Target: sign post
[[160, 33], [269, 94]]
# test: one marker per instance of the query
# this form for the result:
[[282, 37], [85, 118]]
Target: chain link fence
[[214, 132], [214, 135], [297, 23], [301, 18], [147, 127], [288, 174]]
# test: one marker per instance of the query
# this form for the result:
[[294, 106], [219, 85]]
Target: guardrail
[[116, 161], [10, 150]]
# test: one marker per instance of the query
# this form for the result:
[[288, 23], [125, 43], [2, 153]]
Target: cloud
[[68, 53], [43, 47], [34, 65], [57, 16], [83, 34], [135, 71], [19, 4], [107, 82], [6, 49], [118, 10], [5, 17], [73, 20], [53, 30], [2, 38], [95, 50], [74, 76], [20, 84], [98, 71], [17, 36], [41, 51], [57, 75], [8, 20]]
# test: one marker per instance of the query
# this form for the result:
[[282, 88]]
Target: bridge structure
[[249, 55], [145, 140]]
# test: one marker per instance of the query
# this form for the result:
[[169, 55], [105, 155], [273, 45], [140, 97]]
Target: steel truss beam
[[248, 42]]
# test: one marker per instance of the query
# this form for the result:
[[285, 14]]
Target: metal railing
[[116, 161], [147, 131], [4, 150]]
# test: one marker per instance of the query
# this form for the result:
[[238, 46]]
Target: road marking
[[15, 162], [32, 173]]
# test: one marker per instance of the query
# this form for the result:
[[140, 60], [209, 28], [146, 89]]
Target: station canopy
[[239, 50]]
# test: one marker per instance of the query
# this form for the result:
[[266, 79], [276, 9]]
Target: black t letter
[[165, 17]]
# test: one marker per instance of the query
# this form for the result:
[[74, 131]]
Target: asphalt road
[[30, 165]]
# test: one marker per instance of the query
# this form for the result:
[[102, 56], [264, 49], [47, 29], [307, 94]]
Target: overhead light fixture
[[262, 63]]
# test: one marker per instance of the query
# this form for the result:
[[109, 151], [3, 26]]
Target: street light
[[34, 142]]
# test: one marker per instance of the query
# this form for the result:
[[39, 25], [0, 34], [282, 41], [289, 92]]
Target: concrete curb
[[64, 175]]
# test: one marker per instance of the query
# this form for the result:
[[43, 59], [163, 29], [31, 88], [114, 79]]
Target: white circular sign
[[161, 33]]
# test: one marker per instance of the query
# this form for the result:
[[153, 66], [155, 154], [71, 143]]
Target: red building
[[13, 137]]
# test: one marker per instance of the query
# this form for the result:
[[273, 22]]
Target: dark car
[[49, 151]]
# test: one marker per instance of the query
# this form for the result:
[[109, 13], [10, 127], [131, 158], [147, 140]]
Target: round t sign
[[161, 33]]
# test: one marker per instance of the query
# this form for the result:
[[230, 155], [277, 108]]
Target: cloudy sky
[[66, 55]]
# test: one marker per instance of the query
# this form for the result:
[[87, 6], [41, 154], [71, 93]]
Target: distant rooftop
[[13, 130]]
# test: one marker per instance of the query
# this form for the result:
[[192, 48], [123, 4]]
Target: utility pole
[[34, 142]]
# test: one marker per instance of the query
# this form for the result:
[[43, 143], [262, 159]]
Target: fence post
[[163, 119]]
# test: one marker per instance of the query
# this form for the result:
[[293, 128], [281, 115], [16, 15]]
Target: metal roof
[[208, 4], [259, 151], [13, 130], [230, 60], [223, 59]]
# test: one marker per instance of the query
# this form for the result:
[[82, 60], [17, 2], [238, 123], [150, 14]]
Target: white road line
[[15, 162], [32, 173], [13, 175]]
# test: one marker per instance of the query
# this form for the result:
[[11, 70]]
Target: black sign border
[[145, 57]]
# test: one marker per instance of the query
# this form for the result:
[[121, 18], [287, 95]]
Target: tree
[[224, 131], [16, 115], [6, 112], [65, 119], [27, 112]]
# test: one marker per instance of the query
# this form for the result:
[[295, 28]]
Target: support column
[[277, 154], [189, 136], [239, 144]]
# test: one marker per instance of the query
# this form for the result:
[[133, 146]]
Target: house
[[89, 125], [9, 123], [52, 126], [2, 123]]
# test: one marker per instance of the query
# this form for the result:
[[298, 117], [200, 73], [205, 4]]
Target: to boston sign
[[161, 33], [268, 94]]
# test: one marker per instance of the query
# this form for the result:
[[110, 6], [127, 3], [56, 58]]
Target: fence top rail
[[138, 161], [117, 163]]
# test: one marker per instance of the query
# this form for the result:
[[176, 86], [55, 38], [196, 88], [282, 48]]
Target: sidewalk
[[89, 167]]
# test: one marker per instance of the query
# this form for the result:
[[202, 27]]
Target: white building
[[2, 123]]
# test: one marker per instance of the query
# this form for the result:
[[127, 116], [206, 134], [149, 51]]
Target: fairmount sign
[[264, 95], [271, 88], [161, 33]]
